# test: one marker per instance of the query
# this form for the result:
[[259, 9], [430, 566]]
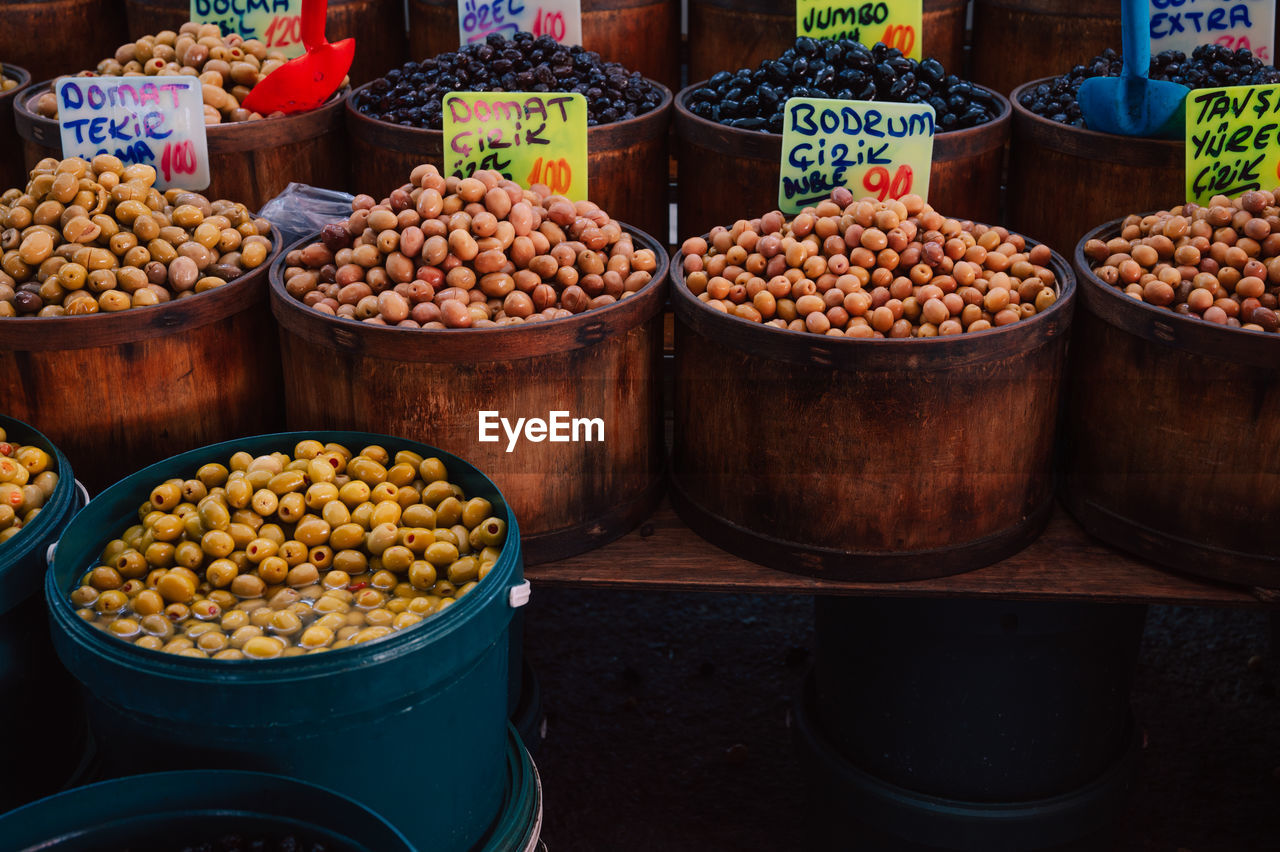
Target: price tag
[[1186, 24], [897, 23], [155, 121], [531, 137], [1233, 141], [874, 148], [275, 23], [560, 19]]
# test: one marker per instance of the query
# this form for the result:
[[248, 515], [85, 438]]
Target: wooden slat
[[1063, 564]]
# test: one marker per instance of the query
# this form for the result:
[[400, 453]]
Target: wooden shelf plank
[[1065, 563]]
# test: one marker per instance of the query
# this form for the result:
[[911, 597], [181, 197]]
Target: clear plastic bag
[[302, 210]]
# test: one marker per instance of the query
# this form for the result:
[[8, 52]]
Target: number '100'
[[556, 174]]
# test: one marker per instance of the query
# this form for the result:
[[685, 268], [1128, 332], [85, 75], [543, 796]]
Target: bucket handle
[[518, 596], [53, 547]]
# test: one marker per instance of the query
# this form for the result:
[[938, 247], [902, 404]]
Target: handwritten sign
[[560, 19], [880, 149], [531, 137], [155, 121], [1233, 141], [897, 23], [275, 23], [1186, 24]]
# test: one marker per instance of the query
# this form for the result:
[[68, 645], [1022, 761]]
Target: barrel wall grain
[[642, 35], [725, 35], [376, 25], [1069, 179]]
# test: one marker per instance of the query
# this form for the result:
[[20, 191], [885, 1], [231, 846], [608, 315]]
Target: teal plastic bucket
[[519, 826], [37, 697], [192, 807], [413, 725]]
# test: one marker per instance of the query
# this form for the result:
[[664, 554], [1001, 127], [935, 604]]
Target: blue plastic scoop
[[1132, 104]]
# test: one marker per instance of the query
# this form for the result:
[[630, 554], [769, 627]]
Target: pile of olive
[[228, 67], [1219, 263], [753, 99], [27, 480], [282, 555], [7, 84], [477, 252], [412, 94], [868, 268], [88, 237], [1210, 66]]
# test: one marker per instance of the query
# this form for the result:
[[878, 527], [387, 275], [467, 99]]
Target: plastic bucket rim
[[61, 508], [307, 666], [198, 779]]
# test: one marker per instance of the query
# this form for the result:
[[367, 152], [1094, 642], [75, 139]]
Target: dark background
[[667, 725]]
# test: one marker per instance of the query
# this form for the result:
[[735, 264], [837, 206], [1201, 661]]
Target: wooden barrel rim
[[853, 354], [588, 6], [1055, 8], [761, 7], [18, 73], [948, 145], [136, 324], [228, 138], [859, 566], [1160, 325], [416, 140], [470, 345], [1090, 144]]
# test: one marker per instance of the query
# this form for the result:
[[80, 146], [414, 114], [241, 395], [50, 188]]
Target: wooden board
[[1063, 564]]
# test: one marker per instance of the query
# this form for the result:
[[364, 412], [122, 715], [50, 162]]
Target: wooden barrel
[[1172, 436], [52, 37], [1019, 40], [117, 392], [12, 172], [626, 162], [731, 173], [725, 35], [865, 459], [1068, 179], [376, 25], [642, 35], [249, 161], [569, 496]]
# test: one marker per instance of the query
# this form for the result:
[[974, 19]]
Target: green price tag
[[531, 137], [897, 23], [874, 148], [1233, 141], [275, 23]]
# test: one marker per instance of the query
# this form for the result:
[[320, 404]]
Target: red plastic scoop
[[306, 82]]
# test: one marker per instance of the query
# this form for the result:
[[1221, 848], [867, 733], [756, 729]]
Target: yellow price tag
[[874, 148], [530, 137], [275, 23], [1233, 141], [897, 23]]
